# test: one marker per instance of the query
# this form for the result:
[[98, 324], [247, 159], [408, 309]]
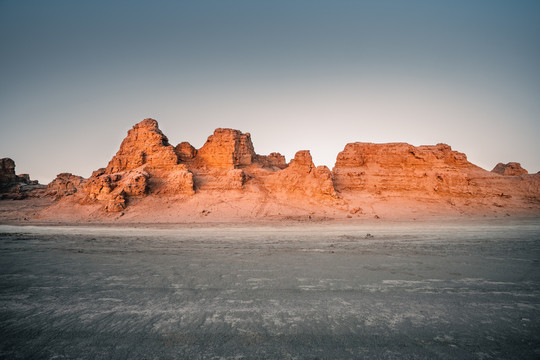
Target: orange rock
[[510, 169], [178, 181], [274, 161], [65, 184], [185, 151], [144, 144], [302, 178], [400, 167], [227, 149]]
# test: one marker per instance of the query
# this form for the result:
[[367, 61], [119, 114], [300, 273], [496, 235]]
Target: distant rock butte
[[510, 169], [226, 170], [13, 186]]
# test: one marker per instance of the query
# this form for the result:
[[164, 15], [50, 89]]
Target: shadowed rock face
[[13, 186], [226, 167], [7, 171], [510, 169]]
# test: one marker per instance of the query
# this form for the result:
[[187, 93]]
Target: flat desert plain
[[380, 290]]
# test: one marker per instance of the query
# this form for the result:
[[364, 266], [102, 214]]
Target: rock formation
[[227, 173], [227, 149], [65, 184], [7, 172], [403, 168], [510, 169], [17, 187], [302, 178], [145, 144]]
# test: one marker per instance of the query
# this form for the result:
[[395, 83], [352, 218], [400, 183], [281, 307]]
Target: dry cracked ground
[[379, 291]]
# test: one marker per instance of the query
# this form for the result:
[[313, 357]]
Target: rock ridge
[[227, 175]]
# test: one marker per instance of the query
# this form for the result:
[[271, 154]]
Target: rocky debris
[[228, 149], [16, 187], [510, 169], [145, 144], [185, 151], [116, 203], [356, 210], [65, 184]]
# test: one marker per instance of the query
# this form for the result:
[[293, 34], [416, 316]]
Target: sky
[[296, 74]]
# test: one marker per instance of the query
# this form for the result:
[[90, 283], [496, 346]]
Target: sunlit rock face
[[400, 167], [510, 169], [145, 144], [226, 169], [302, 178], [228, 149]]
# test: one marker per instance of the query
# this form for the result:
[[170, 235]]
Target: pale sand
[[417, 290]]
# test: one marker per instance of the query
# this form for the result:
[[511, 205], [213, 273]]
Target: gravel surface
[[378, 291]]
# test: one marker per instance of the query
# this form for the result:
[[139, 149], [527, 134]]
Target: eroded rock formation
[[227, 167], [65, 184], [13, 186], [403, 168], [510, 169], [227, 149]]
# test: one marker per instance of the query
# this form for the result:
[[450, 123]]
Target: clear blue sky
[[76, 75]]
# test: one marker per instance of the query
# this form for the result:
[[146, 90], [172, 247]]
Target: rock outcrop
[[510, 169], [274, 161], [145, 144], [7, 172], [17, 187], [226, 172], [402, 168], [303, 179], [227, 149], [185, 151], [65, 184]]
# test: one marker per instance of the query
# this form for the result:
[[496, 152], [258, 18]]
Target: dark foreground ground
[[409, 291]]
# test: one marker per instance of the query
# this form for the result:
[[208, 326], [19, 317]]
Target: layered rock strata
[[147, 165]]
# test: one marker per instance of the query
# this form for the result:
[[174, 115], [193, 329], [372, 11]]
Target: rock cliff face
[[145, 144], [403, 168], [227, 149], [226, 171], [430, 173]]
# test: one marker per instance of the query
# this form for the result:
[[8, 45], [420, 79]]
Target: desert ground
[[374, 289]]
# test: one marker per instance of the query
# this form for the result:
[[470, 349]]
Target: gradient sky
[[76, 75]]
